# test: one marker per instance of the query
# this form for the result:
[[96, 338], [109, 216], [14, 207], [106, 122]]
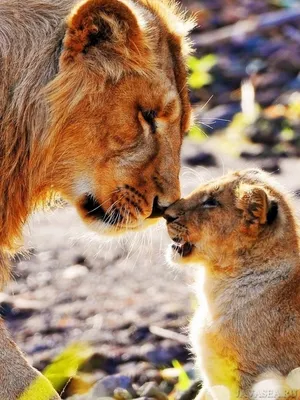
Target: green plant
[[184, 381], [62, 369], [200, 68]]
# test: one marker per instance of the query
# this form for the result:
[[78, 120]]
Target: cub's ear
[[256, 207], [108, 31]]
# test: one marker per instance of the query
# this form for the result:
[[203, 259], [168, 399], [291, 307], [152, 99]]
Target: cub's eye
[[210, 203], [149, 116]]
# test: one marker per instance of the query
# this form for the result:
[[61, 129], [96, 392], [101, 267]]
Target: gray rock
[[106, 387], [271, 165], [152, 390], [143, 398], [122, 394], [202, 158], [88, 396], [164, 353], [218, 117]]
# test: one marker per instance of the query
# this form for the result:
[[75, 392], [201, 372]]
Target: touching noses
[[157, 209], [162, 202]]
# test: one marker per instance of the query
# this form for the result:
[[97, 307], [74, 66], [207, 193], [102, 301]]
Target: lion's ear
[[256, 206], [106, 29]]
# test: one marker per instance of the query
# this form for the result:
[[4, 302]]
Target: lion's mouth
[[94, 209], [183, 249]]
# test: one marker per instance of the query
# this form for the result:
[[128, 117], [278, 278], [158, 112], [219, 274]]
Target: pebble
[[265, 131], [150, 389], [75, 271], [99, 361], [218, 117], [287, 59], [203, 158], [18, 308], [271, 79], [122, 394], [267, 97], [139, 333], [164, 353], [271, 166], [106, 387]]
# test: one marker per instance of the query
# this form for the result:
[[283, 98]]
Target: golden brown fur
[[242, 233], [93, 105]]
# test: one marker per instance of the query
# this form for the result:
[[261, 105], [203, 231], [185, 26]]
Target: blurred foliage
[[285, 3], [233, 139], [287, 134], [176, 373], [59, 373], [66, 365], [293, 109], [197, 134], [184, 381], [200, 68]]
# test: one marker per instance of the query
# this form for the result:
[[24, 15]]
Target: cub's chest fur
[[242, 233]]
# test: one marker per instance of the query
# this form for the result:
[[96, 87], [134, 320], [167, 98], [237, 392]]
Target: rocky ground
[[247, 58], [119, 296]]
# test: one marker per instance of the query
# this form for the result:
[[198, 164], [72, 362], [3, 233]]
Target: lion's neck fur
[[29, 53]]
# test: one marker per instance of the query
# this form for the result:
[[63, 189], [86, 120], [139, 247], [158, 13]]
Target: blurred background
[[118, 298]]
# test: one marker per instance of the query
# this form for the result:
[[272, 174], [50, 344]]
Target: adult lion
[[93, 105]]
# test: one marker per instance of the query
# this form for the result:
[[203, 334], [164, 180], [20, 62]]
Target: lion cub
[[242, 231]]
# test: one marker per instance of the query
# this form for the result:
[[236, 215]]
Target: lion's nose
[[157, 210]]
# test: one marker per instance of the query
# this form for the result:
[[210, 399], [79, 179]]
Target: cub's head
[[119, 111], [241, 214]]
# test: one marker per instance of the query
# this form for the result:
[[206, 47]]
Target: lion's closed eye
[[149, 116]]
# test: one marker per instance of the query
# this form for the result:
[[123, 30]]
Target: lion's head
[[119, 111]]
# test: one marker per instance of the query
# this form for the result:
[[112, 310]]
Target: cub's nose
[[170, 216]]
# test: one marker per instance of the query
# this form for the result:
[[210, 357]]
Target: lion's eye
[[149, 116], [210, 203]]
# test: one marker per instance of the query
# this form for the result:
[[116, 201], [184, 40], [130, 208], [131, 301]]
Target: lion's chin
[[111, 223], [103, 228]]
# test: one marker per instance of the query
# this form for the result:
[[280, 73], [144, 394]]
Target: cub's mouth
[[184, 249]]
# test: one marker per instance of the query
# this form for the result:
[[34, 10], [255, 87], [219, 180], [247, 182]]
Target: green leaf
[[197, 133], [199, 79], [199, 70], [66, 365], [287, 134], [184, 381], [203, 64]]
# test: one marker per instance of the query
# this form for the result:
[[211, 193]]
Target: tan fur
[[247, 250], [76, 80]]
